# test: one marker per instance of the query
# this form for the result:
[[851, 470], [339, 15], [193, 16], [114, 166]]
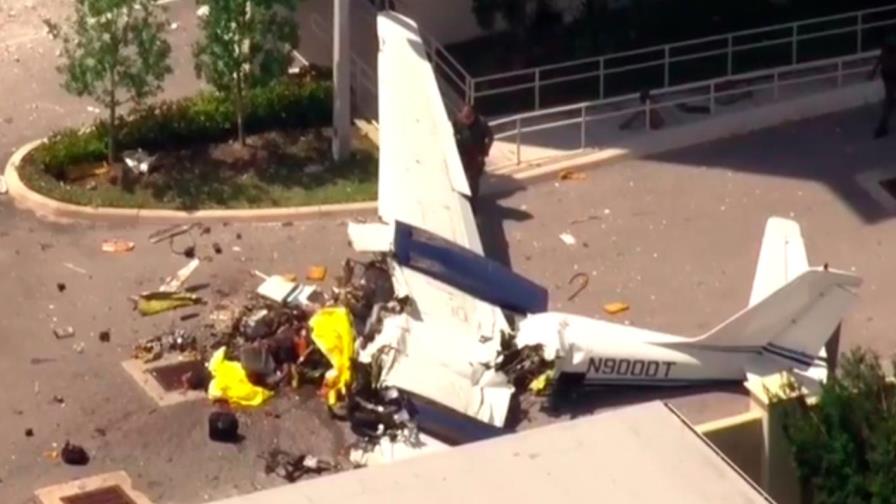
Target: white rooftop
[[643, 453]]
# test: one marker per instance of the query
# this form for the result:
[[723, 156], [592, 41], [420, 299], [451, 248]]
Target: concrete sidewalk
[[758, 109]]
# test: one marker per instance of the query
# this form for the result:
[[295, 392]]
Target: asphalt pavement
[[676, 237]]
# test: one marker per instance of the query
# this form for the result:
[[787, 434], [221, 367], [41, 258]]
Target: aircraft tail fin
[[794, 321], [782, 257]]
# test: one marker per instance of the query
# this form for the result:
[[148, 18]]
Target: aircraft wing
[[421, 179], [451, 341]]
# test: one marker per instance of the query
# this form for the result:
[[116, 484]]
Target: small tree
[[115, 53], [845, 445], [245, 44]]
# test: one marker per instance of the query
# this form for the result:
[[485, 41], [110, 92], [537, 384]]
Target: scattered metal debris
[[60, 286], [583, 284], [175, 283], [72, 266], [105, 336], [117, 246], [568, 239], [585, 219], [64, 332], [571, 175], [615, 307], [292, 467]]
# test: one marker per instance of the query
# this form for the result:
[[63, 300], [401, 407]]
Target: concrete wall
[[740, 439]]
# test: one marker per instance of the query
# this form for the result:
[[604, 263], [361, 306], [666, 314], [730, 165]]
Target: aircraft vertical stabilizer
[[782, 257]]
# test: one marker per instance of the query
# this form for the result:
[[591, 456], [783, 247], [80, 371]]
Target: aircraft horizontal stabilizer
[[792, 323]]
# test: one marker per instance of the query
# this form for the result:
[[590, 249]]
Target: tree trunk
[[238, 105], [112, 132]]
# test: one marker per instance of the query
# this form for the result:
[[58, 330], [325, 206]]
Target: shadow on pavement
[[697, 403], [491, 215], [831, 150]]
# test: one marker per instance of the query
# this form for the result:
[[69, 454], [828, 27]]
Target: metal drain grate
[[106, 495], [169, 376], [889, 185]]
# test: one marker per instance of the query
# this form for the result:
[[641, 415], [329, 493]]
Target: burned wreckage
[[426, 345]]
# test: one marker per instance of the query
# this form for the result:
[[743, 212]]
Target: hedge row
[[204, 118]]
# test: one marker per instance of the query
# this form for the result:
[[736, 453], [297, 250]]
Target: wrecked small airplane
[[447, 343]]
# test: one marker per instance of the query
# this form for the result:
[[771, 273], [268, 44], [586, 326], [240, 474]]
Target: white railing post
[[600, 91], [666, 66], [517, 140], [730, 55], [537, 88], [859, 35], [582, 138], [794, 45]]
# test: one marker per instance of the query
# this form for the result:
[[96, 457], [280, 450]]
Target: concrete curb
[[50, 209], [716, 128]]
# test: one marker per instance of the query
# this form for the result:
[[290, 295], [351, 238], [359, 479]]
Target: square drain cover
[[106, 495], [169, 376]]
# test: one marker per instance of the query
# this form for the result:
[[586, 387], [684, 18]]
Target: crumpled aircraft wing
[[455, 337]]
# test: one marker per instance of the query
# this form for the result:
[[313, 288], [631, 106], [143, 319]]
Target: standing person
[[474, 142], [886, 63]]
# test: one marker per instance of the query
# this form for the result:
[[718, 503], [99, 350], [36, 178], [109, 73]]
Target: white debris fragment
[[174, 26], [606, 211], [3, 187], [202, 12], [93, 110], [568, 238]]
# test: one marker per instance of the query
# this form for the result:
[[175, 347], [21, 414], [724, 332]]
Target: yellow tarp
[[229, 381], [333, 333]]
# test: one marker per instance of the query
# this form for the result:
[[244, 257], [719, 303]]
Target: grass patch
[[275, 169]]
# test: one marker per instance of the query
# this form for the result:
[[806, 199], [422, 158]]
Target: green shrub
[[204, 118]]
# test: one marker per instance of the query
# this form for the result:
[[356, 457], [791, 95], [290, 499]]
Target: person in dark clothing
[[474, 142], [886, 63]]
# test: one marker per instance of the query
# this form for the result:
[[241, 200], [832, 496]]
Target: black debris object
[[58, 399], [217, 247], [188, 316], [292, 467], [36, 361], [73, 454], [239, 236], [105, 336], [100, 431], [60, 287], [205, 230], [170, 232], [223, 427], [29, 432], [190, 252]]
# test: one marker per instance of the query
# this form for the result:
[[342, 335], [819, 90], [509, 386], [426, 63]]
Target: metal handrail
[[778, 77], [536, 81], [437, 52]]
